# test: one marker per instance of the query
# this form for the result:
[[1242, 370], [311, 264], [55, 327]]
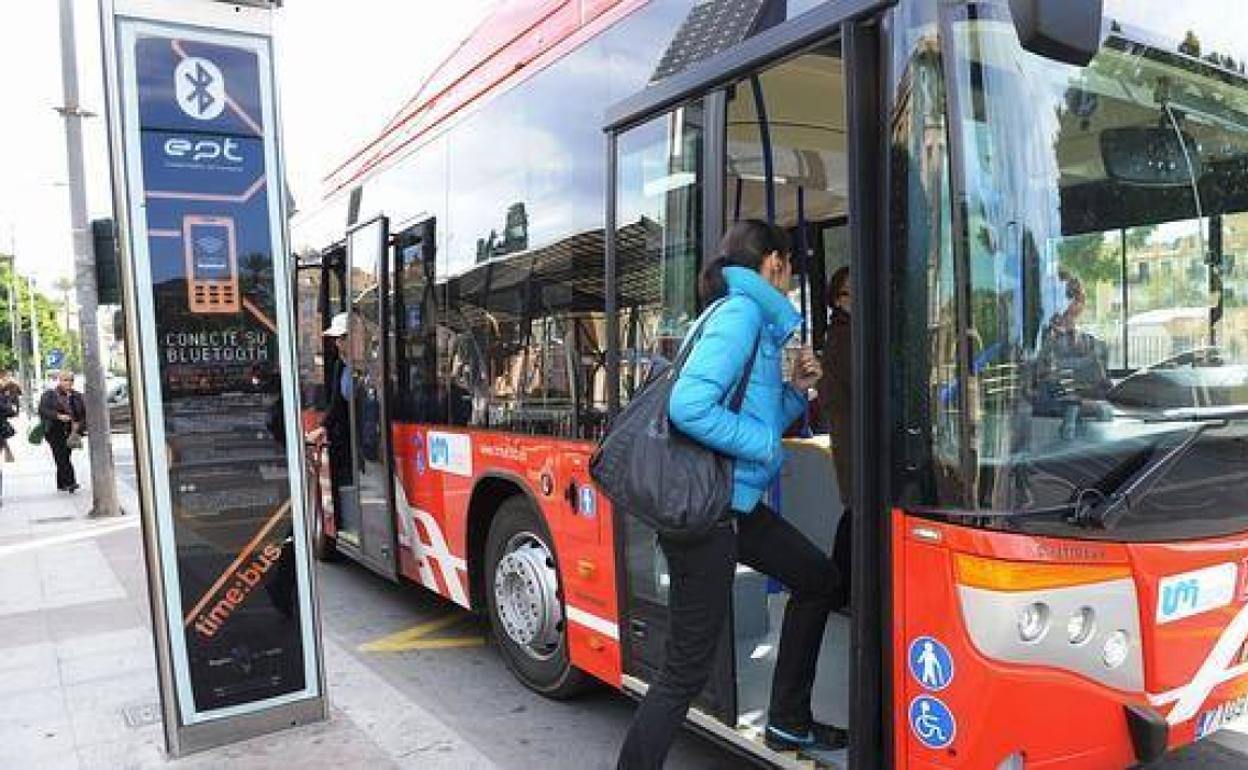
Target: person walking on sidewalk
[[751, 276], [10, 407], [64, 416]]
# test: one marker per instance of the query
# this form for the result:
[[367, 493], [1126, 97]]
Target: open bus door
[[786, 132], [366, 528]]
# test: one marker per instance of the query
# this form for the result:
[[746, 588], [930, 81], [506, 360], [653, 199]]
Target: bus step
[[833, 760]]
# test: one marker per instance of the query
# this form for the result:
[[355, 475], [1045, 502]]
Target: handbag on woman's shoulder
[[649, 469]]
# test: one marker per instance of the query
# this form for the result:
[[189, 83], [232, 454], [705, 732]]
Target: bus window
[[311, 356], [415, 315], [787, 164], [1099, 325]]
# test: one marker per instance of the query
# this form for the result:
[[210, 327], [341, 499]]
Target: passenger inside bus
[[836, 409], [335, 424]]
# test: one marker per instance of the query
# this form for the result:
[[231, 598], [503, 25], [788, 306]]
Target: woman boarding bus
[[743, 288]]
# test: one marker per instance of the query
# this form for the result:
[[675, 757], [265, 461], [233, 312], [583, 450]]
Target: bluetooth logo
[[199, 88]]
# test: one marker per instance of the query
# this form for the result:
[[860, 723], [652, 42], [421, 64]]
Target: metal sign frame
[[247, 28]]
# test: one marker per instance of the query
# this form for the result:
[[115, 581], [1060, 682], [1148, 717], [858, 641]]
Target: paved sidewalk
[[77, 675]]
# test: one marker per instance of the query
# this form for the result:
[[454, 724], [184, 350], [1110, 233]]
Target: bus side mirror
[[1067, 31]]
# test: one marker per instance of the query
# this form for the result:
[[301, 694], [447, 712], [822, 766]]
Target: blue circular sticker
[[931, 663], [932, 722]]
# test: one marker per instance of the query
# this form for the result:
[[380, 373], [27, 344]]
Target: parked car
[[118, 400]]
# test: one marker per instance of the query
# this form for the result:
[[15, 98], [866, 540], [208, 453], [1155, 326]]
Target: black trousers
[[57, 437], [701, 587]]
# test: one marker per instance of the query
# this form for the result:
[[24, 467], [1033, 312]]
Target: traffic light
[[107, 272]]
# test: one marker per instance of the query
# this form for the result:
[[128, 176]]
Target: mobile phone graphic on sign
[[211, 264]]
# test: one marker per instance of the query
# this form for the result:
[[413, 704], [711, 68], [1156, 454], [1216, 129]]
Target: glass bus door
[[657, 250], [366, 515]]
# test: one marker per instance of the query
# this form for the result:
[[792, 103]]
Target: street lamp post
[[35, 354], [103, 482]]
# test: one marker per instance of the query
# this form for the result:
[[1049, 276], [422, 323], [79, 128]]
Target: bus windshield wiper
[[1109, 509]]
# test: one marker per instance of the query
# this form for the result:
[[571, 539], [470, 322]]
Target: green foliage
[[50, 315], [1097, 257], [1091, 258], [1190, 44]]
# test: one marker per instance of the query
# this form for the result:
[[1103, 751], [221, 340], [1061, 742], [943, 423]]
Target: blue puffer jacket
[[699, 402]]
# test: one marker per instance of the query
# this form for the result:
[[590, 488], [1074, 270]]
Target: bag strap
[[686, 347], [738, 395]]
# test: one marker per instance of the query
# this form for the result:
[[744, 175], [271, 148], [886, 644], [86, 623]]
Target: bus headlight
[[1081, 626], [1116, 650], [1033, 622], [1082, 618]]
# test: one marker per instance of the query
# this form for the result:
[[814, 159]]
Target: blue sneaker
[[818, 736]]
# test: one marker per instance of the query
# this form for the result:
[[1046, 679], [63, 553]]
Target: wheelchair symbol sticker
[[932, 722], [931, 664]]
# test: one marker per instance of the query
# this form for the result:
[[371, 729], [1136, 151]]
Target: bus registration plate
[[1215, 719]]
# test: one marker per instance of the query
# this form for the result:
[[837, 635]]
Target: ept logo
[[199, 88], [203, 150]]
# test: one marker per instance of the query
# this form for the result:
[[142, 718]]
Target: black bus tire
[[544, 665], [323, 546]]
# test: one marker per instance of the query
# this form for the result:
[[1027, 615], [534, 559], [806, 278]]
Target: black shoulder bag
[[649, 469]]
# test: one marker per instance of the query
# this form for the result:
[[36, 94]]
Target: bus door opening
[[340, 490], [787, 163]]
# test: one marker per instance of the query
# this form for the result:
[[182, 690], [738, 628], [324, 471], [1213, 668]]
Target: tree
[[52, 335], [1090, 258], [1190, 44], [64, 286]]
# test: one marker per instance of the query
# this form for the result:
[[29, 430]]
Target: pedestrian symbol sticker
[[589, 501], [932, 722], [930, 663]]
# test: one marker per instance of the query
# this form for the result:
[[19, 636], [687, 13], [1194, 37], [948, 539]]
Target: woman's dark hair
[[744, 245], [837, 284]]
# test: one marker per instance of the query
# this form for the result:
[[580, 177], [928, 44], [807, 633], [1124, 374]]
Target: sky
[[343, 69]]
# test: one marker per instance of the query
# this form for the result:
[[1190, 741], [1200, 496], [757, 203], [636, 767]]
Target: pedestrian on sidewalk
[[64, 416], [10, 400]]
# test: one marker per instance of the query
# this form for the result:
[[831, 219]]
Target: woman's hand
[[806, 371]]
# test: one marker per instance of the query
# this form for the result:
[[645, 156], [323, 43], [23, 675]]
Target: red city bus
[[1046, 222]]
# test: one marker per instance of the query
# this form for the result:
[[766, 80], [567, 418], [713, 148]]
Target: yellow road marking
[[415, 638], [438, 644]]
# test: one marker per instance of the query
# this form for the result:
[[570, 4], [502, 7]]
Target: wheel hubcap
[[526, 593]]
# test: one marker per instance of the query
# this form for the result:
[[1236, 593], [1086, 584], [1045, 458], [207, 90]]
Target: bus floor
[[756, 661]]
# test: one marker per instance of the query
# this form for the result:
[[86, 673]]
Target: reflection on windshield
[[1107, 257]]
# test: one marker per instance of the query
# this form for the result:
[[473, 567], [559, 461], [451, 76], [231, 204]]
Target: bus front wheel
[[526, 602]]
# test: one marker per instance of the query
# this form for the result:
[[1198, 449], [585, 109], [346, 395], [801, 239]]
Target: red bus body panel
[[433, 508], [1032, 708]]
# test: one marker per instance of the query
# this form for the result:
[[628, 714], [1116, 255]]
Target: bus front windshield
[[1101, 385]]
